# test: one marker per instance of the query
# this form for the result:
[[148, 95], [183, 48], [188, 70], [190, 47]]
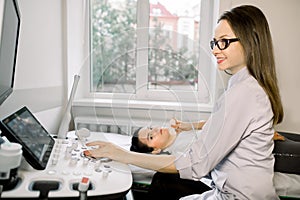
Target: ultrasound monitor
[[9, 36], [23, 128]]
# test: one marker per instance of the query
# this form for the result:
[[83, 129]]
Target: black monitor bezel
[[30, 157]]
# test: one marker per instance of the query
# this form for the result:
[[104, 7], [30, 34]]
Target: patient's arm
[[161, 163]]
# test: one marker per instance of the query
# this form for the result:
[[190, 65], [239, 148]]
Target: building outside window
[[157, 49]]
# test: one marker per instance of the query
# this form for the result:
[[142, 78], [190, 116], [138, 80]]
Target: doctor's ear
[[156, 151]]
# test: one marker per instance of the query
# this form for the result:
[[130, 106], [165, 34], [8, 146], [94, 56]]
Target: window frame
[[208, 7]]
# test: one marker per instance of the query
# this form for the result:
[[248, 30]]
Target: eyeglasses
[[222, 43]]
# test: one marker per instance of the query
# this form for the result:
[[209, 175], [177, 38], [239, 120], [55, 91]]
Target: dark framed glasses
[[222, 43]]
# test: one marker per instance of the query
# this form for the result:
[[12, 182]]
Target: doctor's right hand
[[180, 126], [106, 150]]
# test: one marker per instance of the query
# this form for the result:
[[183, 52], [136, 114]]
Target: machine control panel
[[67, 167]]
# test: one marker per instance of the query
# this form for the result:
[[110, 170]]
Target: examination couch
[[287, 154], [287, 166]]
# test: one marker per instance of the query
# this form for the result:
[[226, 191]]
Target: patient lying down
[[157, 140]]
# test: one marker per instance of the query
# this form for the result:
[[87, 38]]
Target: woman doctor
[[235, 146]]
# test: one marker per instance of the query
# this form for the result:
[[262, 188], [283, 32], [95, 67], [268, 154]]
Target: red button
[[84, 180]]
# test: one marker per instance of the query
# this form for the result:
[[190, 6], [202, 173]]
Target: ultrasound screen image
[[33, 135]]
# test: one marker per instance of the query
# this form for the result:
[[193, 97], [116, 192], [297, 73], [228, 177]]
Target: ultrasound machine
[[37, 165], [57, 168]]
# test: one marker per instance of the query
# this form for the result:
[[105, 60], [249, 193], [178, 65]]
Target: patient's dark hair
[[137, 145]]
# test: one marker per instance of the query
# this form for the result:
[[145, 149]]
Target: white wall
[[283, 17]]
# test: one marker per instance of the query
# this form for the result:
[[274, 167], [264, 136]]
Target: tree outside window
[[173, 46]]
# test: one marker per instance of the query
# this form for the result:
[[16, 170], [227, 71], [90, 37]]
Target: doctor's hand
[[180, 126], [107, 150]]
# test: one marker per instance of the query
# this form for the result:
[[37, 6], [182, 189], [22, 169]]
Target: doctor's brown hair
[[251, 27]]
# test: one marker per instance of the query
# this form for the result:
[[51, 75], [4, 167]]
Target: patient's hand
[[277, 136]]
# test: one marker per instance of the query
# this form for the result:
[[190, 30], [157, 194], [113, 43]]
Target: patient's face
[[156, 137]]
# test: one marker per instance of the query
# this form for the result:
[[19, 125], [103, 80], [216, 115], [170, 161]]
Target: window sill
[[142, 104]]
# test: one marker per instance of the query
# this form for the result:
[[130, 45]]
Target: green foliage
[[113, 41], [114, 48]]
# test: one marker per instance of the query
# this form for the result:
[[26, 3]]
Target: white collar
[[241, 75]]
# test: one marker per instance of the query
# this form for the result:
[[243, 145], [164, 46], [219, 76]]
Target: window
[[152, 49]]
